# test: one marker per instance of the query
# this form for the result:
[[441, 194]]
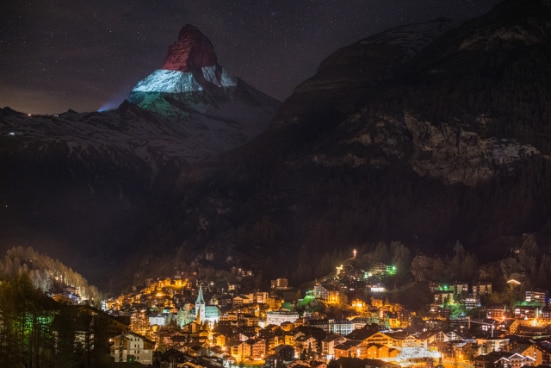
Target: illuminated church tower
[[200, 306]]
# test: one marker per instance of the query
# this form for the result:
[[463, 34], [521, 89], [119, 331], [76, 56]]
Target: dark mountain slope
[[87, 187], [419, 134]]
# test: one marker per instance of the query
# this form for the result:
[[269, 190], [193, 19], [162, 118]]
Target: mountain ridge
[[416, 156], [87, 186]]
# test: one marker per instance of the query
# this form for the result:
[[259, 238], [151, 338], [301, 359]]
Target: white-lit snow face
[[174, 81]]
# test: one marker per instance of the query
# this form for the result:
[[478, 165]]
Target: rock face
[[192, 51], [458, 155], [190, 66], [449, 100]]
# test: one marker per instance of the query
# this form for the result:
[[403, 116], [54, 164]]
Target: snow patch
[[175, 81]]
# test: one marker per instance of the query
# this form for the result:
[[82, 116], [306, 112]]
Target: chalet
[[454, 336], [526, 311], [247, 319], [496, 312], [394, 339], [412, 341], [536, 296], [243, 299], [328, 344], [172, 338], [360, 322], [472, 301], [530, 349], [279, 284], [488, 360], [305, 344], [130, 347], [241, 350], [482, 288], [456, 288], [376, 346], [327, 293], [273, 340], [541, 351], [258, 348], [515, 360], [433, 337], [349, 349], [260, 297], [488, 345], [192, 327], [460, 288], [378, 351], [219, 339]]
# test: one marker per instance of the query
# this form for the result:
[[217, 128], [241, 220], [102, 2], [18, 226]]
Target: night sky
[[84, 54]]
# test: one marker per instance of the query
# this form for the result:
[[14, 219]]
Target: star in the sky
[[98, 49]]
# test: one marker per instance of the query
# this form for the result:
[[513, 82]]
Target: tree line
[[37, 331], [45, 273]]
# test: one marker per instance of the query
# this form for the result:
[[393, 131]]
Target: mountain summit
[[87, 185], [213, 110], [190, 66], [192, 51], [191, 85]]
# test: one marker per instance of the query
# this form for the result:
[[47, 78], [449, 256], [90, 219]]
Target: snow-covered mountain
[[211, 106], [89, 184]]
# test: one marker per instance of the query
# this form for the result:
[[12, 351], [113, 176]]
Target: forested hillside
[[48, 275]]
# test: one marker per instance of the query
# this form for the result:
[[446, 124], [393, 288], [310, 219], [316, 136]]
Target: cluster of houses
[[282, 326]]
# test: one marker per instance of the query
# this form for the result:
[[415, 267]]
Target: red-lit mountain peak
[[193, 50]]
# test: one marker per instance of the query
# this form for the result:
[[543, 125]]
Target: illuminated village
[[347, 316]]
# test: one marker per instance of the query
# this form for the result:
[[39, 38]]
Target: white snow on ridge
[[174, 81]]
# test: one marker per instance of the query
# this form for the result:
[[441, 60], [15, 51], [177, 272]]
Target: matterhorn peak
[[191, 65], [192, 50]]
